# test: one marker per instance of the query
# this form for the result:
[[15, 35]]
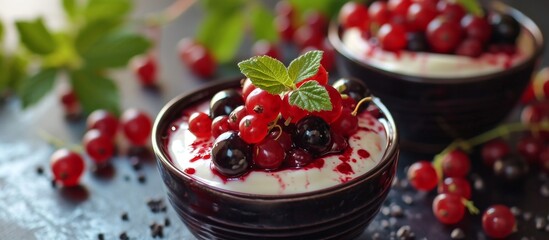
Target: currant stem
[[470, 206], [500, 131], [170, 13], [58, 143], [362, 101]]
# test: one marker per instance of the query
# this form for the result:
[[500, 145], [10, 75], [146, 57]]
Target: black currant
[[231, 156], [505, 29], [312, 133], [224, 102], [511, 168], [417, 42], [352, 87]]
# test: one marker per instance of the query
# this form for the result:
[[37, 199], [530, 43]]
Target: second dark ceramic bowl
[[339, 212], [432, 112]]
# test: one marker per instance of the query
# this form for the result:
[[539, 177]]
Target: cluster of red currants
[[99, 142], [271, 131], [454, 193], [431, 25]]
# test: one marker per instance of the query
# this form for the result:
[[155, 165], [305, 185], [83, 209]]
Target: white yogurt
[[367, 146], [423, 64]]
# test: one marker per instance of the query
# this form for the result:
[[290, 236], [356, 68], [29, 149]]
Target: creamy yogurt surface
[[425, 64], [366, 148]]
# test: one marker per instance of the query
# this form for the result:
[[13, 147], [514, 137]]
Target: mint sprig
[[272, 76], [472, 6]]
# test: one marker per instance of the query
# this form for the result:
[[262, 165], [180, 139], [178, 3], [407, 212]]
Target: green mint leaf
[[222, 32], [311, 97], [107, 9], [267, 73], [92, 32], [95, 92], [472, 6], [37, 86], [36, 37], [263, 24], [70, 7], [15, 67], [115, 50], [305, 66]]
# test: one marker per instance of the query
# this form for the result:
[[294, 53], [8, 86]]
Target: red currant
[[457, 186], [67, 167], [530, 148], [220, 124], [104, 121], [379, 14], [145, 69], [422, 176], [99, 146], [399, 7], [444, 35], [285, 28], [200, 124], [316, 20], [236, 115], [290, 111], [253, 129], [498, 221], [392, 37], [283, 138], [335, 98], [137, 126], [346, 124], [184, 48], [263, 47], [448, 208], [247, 88], [321, 77], [353, 14], [70, 102], [263, 104], [306, 36], [268, 154], [452, 11], [476, 27], [494, 150], [456, 164], [420, 15], [200, 61]]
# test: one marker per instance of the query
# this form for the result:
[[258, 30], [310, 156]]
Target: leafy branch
[[96, 41]]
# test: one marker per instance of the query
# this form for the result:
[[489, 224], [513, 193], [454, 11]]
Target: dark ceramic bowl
[[431, 112], [339, 212]]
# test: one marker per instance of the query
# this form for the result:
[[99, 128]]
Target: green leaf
[[70, 8], [311, 97], [115, 50], [95, 92], [93, 32], [267, 73], [35, 36], [222, 32], [107, 9], [472, 6], [37, 86], [263, 24], [305, 66]]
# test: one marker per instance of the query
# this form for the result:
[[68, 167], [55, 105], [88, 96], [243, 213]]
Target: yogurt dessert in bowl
[[314, 174], [444, 72]]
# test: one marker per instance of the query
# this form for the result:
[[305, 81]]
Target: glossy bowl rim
[[391, 153], [525, 21]]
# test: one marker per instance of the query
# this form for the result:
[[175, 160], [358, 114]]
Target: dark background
[[31, 209]]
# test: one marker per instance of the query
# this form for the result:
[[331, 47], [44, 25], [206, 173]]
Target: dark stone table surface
[[118, 200]]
